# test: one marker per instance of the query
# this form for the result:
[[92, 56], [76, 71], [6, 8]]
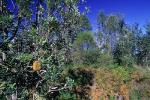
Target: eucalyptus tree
[[85, 23], [123, 52], [109, 29], [85, 49], [144, 54], [101, 20], [147, 28], [117, 38], [143, 47]]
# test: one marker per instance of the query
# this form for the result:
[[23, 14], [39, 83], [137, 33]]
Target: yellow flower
[[36, 65]]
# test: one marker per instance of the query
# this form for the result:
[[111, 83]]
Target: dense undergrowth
[[108, 83]]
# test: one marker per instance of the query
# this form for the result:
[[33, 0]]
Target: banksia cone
[[36, 65]]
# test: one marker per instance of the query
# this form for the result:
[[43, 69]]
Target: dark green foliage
[[85, 25], [65, 95], [144, 47], [90, 57], [135, 94], [85, 51], [82, 76]]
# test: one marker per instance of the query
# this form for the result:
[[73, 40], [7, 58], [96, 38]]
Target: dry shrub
[[107, 81], [124, 91], [84, 79], [96, 92], [137, 76]]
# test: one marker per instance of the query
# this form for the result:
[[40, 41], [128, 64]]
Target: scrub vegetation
[[48, 51]]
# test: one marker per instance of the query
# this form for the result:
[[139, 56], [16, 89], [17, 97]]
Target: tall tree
[[85, 23], [85, 49], [109, 28], [143, 47], [123, 52]]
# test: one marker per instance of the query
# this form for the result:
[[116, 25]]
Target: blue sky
[[132, 10]]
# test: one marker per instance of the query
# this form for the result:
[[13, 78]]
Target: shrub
[[135, 95], [90, 57], [122, 73], [105, 59], [24, 57], [66, 95]]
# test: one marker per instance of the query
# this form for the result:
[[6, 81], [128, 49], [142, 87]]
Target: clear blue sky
[[132, 10]]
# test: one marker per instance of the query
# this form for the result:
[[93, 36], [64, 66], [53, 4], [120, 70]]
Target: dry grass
[[109, 82]]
